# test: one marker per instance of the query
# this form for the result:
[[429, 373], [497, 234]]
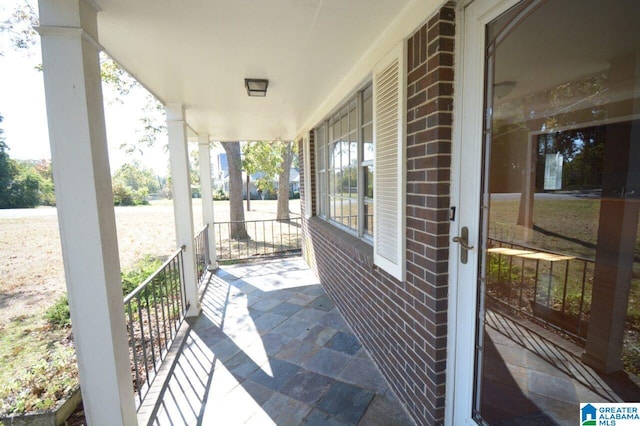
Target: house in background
[[422, 127], [223, 182]]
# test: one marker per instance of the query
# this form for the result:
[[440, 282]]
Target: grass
[[38, 365], [37, 360]]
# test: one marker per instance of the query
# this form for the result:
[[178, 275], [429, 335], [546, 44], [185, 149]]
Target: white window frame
[[322, 146]]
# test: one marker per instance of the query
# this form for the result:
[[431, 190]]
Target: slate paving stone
[[344, 342], [287, 309], [273, 343], [265, 304], [241, 365], [282, 372], [297, 351], [259, 393], [307, 386], [333, 320], [309, 314], [557, 388], [292, 327], [328, 362], [211, 335], [319, 335], [302, 299], [224, 350], [322, 303], [313, 290], [384, 412], [286, 411], [346, 402], [363, 372], [318, 418], [313, 370], [268, 321]]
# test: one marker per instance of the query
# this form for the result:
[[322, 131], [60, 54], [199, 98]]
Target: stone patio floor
[[270, 348]]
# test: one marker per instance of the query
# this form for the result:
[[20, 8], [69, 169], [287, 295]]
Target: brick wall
[[403, 324]]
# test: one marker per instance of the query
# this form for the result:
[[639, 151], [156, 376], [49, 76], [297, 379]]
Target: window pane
[[344, 122], [336, 156], [368, 222], [368, 181], [353, 117], [367, 151], [561, 222], [367, 106], [353, 148]]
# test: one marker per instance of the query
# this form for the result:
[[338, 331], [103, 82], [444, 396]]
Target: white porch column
[[207, 197], [182, 208], [85, 208]]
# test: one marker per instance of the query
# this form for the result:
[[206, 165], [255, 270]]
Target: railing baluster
[[566, 284], [267, 242], [152, 350], [580, 309], [163, 289], [134, 355], [543, 309]]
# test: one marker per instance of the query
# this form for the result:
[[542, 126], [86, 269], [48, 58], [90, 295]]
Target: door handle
[[463, 240]]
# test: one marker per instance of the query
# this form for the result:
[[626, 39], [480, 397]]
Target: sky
[[22, 105]]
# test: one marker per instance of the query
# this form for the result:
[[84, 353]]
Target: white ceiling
[[567, 41], [198, 52]]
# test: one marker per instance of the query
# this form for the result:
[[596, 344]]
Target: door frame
[[466, 168]]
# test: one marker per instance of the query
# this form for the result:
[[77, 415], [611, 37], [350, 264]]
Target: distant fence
[[154, 312], [263, 238]]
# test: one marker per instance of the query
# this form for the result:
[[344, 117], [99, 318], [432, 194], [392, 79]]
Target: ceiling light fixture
[[256, 86], [504, 88]]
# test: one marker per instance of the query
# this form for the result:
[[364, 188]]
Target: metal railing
[[201, 247], [271, 237], [551, 288], [154, 312]]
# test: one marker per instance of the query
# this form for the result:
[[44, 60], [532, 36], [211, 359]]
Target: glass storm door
[[557, 293]]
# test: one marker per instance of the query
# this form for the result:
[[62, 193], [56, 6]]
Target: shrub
[[220, 195], [58, 315], [138, 273]]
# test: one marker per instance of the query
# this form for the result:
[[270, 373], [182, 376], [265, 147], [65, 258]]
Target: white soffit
[[198, 52]]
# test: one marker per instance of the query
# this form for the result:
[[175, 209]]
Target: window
[[360, 163], [344, 164]]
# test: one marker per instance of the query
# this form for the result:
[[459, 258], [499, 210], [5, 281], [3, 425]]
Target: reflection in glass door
[[559, 311]]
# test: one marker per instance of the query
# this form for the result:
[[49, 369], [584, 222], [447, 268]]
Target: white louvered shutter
[[389, 94]]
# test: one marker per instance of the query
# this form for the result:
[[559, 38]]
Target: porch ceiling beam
[[85, 208]]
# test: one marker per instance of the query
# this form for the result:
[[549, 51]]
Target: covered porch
[[269, 348], [194, 57]]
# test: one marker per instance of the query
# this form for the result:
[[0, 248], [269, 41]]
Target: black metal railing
[[154, 311], [263, 238], [551, 288], [202, 253]]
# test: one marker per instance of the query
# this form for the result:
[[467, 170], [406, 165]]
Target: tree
[[262, 159], [271, 159], [20, 30], [132, 183], [6, 172], [283, 182], [236, 210]]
